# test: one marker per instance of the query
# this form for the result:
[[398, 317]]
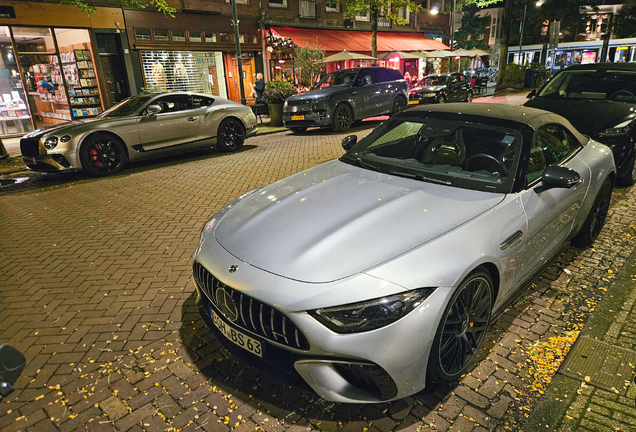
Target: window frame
[[560, 162], [330, 9]]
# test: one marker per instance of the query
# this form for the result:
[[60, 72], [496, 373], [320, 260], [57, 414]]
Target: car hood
[[60, 127], [317, 94], [427, 89], [336, 220], [588, 116]]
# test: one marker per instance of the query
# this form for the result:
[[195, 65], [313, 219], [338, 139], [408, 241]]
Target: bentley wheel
[[441, 99], [231, 135], [103, 155], [596, 217], [399, 105], [462, 329], [342, 118]]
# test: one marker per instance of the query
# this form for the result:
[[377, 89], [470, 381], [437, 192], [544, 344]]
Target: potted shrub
[[275, 93]]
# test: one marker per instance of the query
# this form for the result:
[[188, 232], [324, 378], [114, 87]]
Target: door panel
[[177, 124]]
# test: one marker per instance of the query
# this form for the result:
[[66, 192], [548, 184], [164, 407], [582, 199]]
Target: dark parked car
[[449, 87], [600, 101], [342, 97]]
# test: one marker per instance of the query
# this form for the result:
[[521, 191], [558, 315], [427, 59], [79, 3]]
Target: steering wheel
[[504, 170], [445, 153], [622, 93]]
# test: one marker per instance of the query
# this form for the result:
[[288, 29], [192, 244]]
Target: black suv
[[600, 101], [342, 97]]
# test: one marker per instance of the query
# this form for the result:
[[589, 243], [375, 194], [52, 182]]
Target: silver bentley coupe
[[140, 127], [367, 276]]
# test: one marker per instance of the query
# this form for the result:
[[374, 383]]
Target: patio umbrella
[[402, 55], [464, 53], [441, 53], [479, 52], [346, 55]]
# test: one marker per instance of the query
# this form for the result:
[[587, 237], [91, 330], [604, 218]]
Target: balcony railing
[[307, 9]]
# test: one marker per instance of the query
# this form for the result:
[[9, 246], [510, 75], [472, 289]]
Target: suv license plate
[[414, 102], [240, 339], [302, 117]]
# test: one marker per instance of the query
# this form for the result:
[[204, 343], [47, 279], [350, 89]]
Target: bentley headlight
[[618, 130], [50, 142], [372, 314], [65, 138]]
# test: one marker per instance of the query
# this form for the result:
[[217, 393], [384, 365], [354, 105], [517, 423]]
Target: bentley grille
[[252, 315], [30, 147]]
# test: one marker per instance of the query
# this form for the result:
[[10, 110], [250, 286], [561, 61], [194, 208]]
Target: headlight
[[370, 315], [65, 138], [50, 142], [618, 130], [429, 95]]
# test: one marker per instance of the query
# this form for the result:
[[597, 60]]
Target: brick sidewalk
[[95, 289]]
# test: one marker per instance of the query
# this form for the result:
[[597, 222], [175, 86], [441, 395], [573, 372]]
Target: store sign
[[7, 12]]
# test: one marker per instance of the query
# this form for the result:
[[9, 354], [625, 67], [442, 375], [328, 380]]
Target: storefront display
[[193, 71], [14, 113]]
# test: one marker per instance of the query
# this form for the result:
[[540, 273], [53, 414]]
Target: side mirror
[[12, 363], [153, 110], [532, 94], [349, 141], [556, 176]]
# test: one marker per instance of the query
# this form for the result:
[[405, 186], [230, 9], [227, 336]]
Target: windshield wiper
[[420, 177], [364, 164]]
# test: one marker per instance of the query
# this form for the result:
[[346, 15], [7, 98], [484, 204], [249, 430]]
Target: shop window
[[332, 6], [33, 40], [195, 37], [193, 71], [142, 34], [178, 36], [225, 37], [251, 39], [241, 38], [162, 36], [14, 113], [210, 37], [278, 3], [364, 17]]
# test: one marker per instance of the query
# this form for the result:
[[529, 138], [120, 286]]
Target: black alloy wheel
[[231, 135], [441, 99], [596, 217], [342, 118], [399, 105], [103, 155], [463, 327]]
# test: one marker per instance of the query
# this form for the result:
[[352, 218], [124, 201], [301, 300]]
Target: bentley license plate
[[240, 339], [302, 117], [414, 102]]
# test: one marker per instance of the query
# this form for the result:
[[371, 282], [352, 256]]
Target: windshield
[[340, 78], [466, 155], [126, 107], [619, 86], [435, 80]]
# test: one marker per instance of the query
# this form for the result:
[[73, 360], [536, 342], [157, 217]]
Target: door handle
[[191, 119], [510, 241]]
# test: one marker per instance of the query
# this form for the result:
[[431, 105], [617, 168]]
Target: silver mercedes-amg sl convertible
[[366, 276], [140, 127]]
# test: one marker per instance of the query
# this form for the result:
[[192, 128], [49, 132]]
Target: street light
[[434, 11], [523, 22], [239, 59]]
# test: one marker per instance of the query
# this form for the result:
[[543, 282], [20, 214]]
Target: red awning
[[357, 41]]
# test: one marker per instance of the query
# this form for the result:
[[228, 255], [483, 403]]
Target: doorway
[[111, 59], [249, 79]]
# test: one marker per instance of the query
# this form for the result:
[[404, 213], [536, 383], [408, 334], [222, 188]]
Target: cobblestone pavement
[[95, 288]]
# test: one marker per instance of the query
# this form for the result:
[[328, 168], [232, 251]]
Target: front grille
[[30, 147], [253, 315]]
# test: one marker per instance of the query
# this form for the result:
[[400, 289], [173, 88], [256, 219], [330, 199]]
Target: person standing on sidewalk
[[259, 87]]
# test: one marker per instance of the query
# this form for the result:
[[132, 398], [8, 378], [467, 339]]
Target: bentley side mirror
[[153, 110], [12, 362], [532, 93], [556, 176], [349, 141]]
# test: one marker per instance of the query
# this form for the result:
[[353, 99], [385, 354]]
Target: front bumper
[[624, 151], [423, 98], [38, 158], [308, 116], [375, 366], [251, 131]]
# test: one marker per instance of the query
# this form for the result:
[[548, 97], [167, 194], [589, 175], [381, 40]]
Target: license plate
[[302, 117], [240, 339], [414, 102]]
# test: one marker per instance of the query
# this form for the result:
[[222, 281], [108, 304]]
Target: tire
[[399, 105], [342, 118], [596, 217], [298, 130], [629, 178], [469, 97], [230, 136], [463, 327], [102, 155], [441, 99]]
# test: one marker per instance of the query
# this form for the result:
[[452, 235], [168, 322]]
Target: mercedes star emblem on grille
[[233, 268], [226, 305]]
